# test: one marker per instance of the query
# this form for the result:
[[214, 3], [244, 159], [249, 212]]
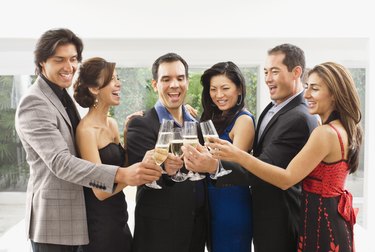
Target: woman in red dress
[[331, 153]]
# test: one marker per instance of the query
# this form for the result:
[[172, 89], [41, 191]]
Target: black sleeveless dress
[[107, 219]]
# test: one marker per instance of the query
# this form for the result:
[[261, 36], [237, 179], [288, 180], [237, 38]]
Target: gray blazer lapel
[[48, 92]]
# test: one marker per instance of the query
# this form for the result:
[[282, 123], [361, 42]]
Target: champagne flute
[[176, 143], [208, 130], [190, 137], [162, 146]]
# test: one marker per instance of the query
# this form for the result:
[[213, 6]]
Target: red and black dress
[[327, 213]]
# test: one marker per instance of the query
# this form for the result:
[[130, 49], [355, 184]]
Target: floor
[[12, 226]]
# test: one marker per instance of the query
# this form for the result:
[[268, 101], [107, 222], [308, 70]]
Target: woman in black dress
[[98, 141]]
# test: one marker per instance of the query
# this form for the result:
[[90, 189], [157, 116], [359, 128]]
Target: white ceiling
[[135, 32], [188, 19]]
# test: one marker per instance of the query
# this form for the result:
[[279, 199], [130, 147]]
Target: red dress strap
[[345, 206], [340, 140]]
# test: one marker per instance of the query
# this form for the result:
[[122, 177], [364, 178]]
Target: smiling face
[[110, 94], [319, 99], [282, 84], [61, 67], [171, 85], [223, 92]]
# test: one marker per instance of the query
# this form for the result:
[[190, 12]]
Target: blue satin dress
[[230, 212]]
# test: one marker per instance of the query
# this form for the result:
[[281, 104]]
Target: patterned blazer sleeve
[[47, 139]]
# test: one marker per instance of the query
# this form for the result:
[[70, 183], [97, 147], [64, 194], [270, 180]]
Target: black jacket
[[275, 211], [173, 218]]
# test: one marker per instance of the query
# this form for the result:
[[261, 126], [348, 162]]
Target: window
[[355, 181], [14, 171], [138, 94]]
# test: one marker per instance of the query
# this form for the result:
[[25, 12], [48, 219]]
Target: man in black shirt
[[46, 120]]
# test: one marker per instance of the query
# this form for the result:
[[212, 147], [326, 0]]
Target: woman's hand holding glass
[[224, 150], [194, 157], [191, 138], [209, 132]]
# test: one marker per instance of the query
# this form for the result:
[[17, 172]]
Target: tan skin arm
[[242, 135], [314, 151], [136, 174], [88, 148]]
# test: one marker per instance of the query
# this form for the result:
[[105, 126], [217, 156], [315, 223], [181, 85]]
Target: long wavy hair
[[210, 110], [347, 105]]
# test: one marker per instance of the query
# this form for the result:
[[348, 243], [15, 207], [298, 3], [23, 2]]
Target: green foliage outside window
[[194, 94], [13, 168], [138, 94], [6, 120]]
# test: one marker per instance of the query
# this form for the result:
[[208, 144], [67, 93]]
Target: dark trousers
[[45, 247], [199, 236]]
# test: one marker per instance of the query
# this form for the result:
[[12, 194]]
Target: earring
[[95, 105], [239, 101]]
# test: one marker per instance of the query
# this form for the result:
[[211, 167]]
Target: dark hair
[[347, 105], [210, 110], [294, 56], [93, 73], [50, 40], [169, 57]]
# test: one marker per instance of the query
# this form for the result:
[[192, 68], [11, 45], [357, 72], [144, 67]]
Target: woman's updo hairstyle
[[93, 73]]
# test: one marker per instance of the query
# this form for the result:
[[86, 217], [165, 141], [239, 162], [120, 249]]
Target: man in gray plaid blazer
[[46, 119]]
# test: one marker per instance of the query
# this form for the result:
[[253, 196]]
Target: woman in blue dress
[[223, 98]]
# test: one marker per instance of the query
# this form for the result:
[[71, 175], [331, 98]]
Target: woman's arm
[[316, 149], [243, 133], [88, 148]]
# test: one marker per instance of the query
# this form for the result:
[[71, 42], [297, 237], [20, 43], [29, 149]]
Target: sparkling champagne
[[192, 140], [161, 153]]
